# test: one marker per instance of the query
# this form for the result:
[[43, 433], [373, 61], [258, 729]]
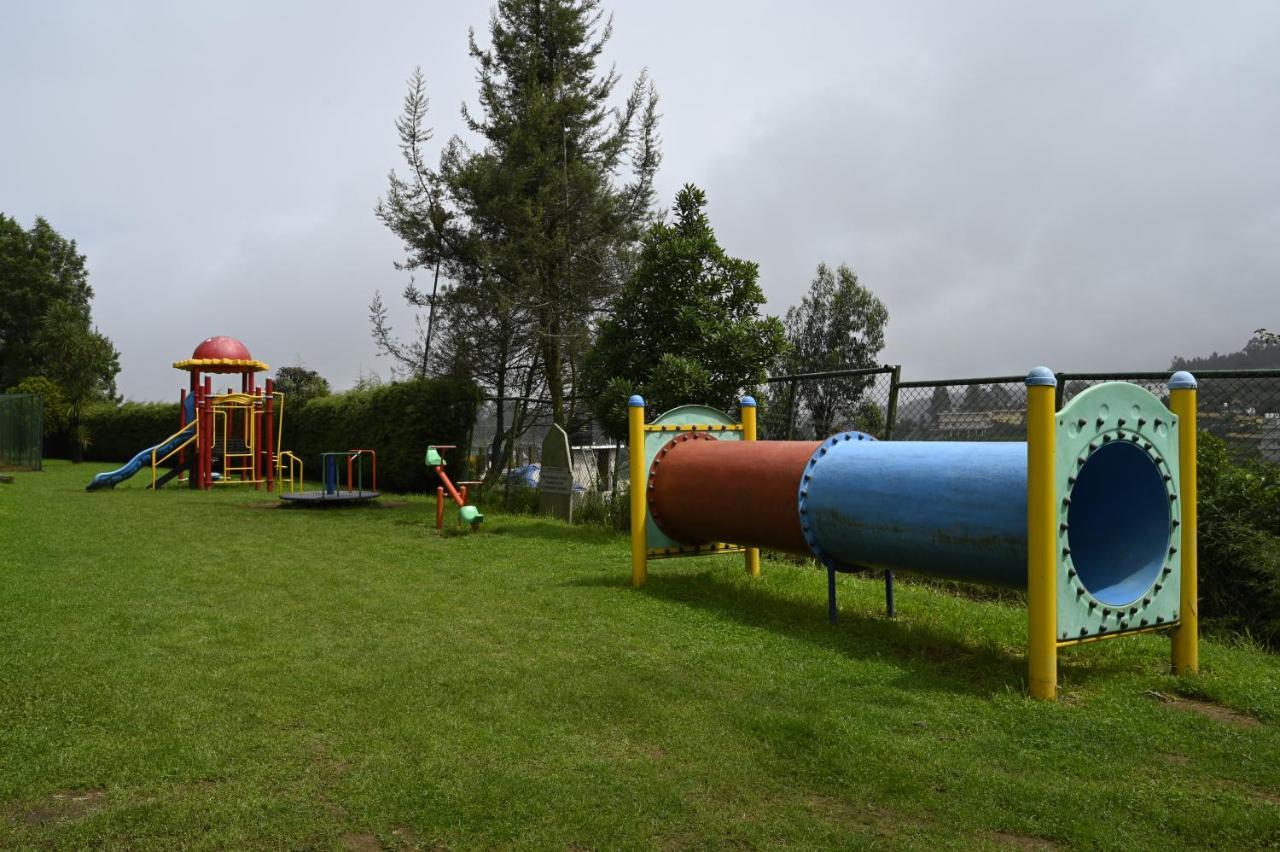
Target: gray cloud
[[1092, 186]]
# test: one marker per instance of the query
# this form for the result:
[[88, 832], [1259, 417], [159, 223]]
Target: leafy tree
[[838, 325], [298, 384], [38, 269], [537, 219], [54, 402], [686, 327], [81, 361]]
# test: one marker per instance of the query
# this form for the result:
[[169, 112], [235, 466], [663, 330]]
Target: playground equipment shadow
[[933, 657]]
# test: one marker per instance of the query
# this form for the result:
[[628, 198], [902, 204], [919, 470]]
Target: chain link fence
[[813, 406], [21, 431], [1240, 406], [985, 409]]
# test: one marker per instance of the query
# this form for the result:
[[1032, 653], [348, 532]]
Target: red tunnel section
[[741, 492]]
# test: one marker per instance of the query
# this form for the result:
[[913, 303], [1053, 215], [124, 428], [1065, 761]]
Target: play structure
[[467, 514], [223, 438], [331, 463], [1094, 515]]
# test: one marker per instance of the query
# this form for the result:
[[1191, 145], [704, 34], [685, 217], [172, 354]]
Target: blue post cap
[[1182, 380], [1042, 377], [636, 401], [747, 401]]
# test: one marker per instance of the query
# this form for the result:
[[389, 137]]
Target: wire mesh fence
[[813, 406], [984, 409], [1240, 406], [21, 431]]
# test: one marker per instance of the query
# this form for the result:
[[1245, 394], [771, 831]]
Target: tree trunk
[[431, 320], [552, 366]]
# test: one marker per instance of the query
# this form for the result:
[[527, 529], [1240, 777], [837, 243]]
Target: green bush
[[1239, 534], [397, 421]]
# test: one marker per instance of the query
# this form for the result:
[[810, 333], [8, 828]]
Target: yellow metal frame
[[748, 426], [693, 550], [635, 435], [1186, 635], [228, 405], [640, 552], [156, 462], [295, 468], [1042, 561], [695, 427]]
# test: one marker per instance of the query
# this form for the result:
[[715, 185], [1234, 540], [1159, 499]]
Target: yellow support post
[[1186, 636], [635, 430], [1042, 526], [748, 406]]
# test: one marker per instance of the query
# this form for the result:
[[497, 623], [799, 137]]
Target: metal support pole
[[635, 433], [1042, 517], [831, 595], [791, 411], [891, 410], [748, 405], [206, 481], [890, 420], [1186, 636], [269, 458], [439, 507]]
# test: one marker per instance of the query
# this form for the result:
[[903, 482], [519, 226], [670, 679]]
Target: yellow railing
[[156, 462], [295, 470], [225, 406]]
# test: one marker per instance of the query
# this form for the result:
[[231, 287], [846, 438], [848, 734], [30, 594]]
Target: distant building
[[1269, 437]]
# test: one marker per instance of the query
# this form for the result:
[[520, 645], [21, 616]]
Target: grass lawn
[[209, 671]]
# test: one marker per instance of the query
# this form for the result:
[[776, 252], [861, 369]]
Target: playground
[[355, 679]]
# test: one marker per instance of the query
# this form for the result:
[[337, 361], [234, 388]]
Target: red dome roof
[[222, 347]]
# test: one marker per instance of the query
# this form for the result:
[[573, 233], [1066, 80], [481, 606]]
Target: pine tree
[[535, 216]]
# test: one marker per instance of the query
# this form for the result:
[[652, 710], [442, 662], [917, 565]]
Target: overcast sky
[[1086, 185]]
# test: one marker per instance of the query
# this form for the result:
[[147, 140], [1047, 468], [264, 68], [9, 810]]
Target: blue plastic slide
[[112, 478]]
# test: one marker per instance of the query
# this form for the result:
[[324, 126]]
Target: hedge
[[118, 433], [397, 420]]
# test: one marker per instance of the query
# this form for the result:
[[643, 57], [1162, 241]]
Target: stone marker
[[555, 482]]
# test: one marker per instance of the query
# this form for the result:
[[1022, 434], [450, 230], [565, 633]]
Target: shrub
[[1239, 534], [118, 433], [397, 420]]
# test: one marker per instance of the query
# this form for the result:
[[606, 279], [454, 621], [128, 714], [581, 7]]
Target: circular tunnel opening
[[1118, 523]]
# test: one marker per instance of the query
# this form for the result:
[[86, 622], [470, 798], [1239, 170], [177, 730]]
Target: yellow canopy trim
[[211, 365]]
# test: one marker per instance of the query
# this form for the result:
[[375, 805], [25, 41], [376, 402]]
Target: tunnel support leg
[[1042, 514], [635, 432], [1186, 636], [888, 595], [831, 594]]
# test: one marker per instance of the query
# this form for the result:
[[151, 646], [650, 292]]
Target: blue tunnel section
[[954, 510], [959, 511]]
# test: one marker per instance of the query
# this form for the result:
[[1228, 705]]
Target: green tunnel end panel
[[1116, 482]]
